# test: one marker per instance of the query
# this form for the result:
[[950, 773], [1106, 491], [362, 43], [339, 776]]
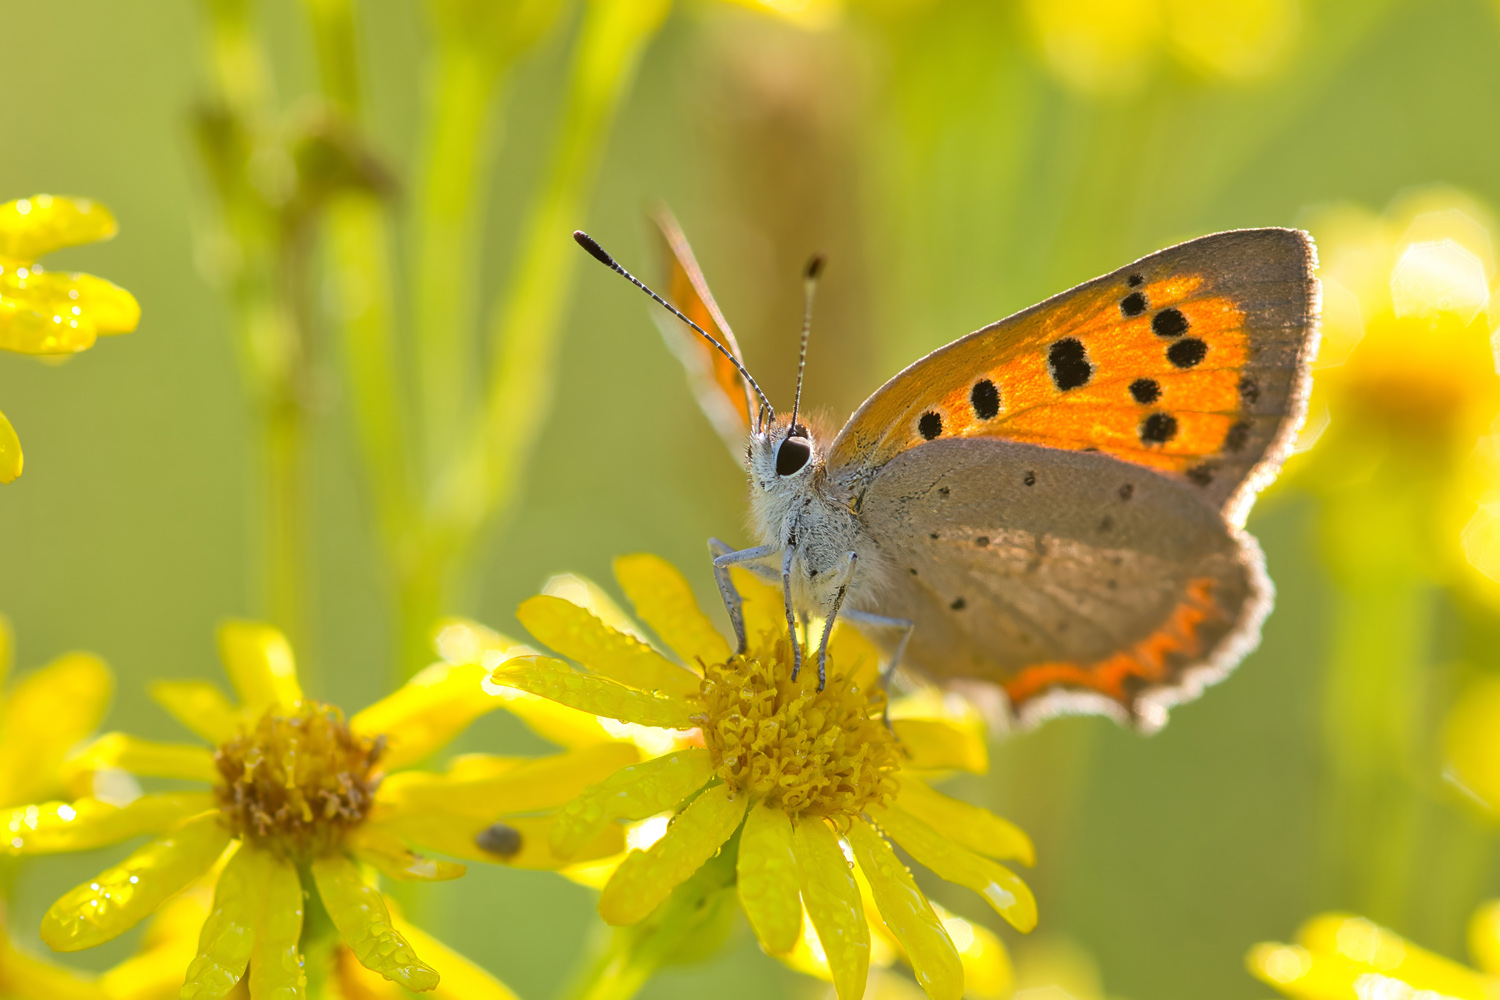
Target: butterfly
[[1050, 507]]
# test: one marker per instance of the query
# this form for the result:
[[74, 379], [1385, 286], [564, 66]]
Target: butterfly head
[[783, 451]]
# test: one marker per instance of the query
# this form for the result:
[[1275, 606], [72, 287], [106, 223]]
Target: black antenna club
[[590, 244]]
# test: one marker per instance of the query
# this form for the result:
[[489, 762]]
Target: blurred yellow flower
[[298, 797], [800, 782], [1343, 957], [1107, 47], [43, 716], [1407, 374], [46, 312]]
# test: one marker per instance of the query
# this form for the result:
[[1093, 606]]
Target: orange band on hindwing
[[1146, 661]]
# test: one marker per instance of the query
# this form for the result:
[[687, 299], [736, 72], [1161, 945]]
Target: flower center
[[824, 753], [295, 783]]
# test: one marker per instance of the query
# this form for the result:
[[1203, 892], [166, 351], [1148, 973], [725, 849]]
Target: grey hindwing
[[1009, 555]]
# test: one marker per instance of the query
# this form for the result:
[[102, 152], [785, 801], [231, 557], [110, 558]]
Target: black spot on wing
[[931, 425], [1187, 353], [1145, 390], [1069, 363], [1202, 475], [1237, 437], [1159, 428], [1249, 390], [985, 399], [1169, 323], [1135, 281], [1029, 479], [1127, 491], [959, 604], [1133, 305]]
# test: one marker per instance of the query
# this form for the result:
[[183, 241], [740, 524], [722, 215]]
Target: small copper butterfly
[[1051, 507]]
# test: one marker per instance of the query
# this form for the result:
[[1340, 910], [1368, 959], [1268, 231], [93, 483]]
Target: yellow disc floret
[[804, 751], [297, 781]]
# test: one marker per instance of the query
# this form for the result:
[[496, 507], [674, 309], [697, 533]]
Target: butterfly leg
[[725, 557], [850, 559], [869, 620], [791, 616]]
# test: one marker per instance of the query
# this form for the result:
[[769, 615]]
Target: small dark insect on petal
[[499, 839], [959, 604]]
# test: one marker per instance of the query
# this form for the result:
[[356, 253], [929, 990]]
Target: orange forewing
[[721, 391], [1203, 399]]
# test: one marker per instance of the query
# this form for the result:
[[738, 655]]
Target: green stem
[[526, 321], [463, 89], [692, 924]]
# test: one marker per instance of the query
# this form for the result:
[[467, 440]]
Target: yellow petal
[[31, 227], [633, 792], [580, 636], [47, 713], [530, 839], [999, 886], [594, 599], [200, 706], [460, 641], [1484, 937], [143, 757], [905, 911], [1359, 940], [364, 924], [24, 977], [87, 823], [11, 459], [124, 895], [855, 655], [833, 906], [931, 745], [462, 979], [260, 665], [52, 313], [168, 946], [276, 971], [228, 935], [554, 679], [764, 608], [646, 878], [988, 973], [980, 830], [1297, 972], [427, 712], [538, 784], [394, 859], [664, 600], [767, 879]]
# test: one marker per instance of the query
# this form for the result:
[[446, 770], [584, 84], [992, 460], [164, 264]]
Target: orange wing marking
[[1132, 375], [1146, 660]]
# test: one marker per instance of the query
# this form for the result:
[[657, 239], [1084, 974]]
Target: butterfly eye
[[792, 455]]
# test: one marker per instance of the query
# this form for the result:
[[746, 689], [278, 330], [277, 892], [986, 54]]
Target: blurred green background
[[957, 160]]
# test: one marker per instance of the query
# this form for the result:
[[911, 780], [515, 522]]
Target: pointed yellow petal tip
[[364, 922], [664, 600]]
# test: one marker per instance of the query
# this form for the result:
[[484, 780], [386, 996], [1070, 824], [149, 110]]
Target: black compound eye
[[792, 455]]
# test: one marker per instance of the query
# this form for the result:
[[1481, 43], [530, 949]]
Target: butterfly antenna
[[809, 289], [586, 241]]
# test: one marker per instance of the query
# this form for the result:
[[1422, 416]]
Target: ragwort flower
[[1338, 956], [46, 312], [798, 782], [298, 798]]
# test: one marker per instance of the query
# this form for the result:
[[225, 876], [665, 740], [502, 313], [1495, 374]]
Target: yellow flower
[[46, 312], [298, 796], [789, 782], [1338, 957], [1106, 47]]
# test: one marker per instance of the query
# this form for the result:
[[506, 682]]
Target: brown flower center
[[297, 782], [823, 753]]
